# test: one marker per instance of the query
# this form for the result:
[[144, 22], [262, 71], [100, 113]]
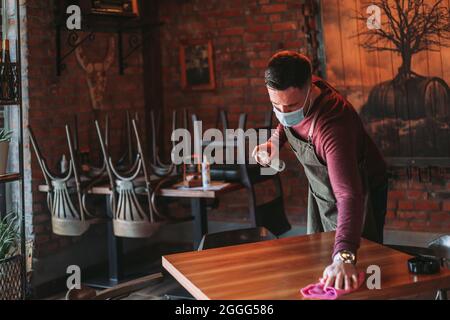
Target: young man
[[345, 170]]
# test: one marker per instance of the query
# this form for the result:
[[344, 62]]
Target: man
[[345, 170]]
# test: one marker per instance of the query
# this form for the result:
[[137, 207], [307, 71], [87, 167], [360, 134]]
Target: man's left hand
[[340, 275]]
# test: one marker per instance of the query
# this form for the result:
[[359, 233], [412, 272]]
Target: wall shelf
[[9, 177], [19, 270]]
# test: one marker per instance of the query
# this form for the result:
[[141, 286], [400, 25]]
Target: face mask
[[290, 119]]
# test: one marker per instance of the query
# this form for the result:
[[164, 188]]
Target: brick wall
[[245, 33], [54, 100], [420, 202]]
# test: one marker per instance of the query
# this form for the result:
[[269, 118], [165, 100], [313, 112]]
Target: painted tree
[[408, 27]]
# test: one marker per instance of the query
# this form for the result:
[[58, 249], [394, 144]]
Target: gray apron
[[322, 210]]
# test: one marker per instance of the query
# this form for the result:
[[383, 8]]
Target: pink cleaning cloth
[[317, 291]]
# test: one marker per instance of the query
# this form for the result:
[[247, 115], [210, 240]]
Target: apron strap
[[313, 125]]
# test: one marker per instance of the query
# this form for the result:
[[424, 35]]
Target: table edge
[[185, 282]]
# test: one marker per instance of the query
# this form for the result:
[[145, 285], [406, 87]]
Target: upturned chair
[[159, 167], [66, 196], [131, 219], [235, 237], [438, 248]]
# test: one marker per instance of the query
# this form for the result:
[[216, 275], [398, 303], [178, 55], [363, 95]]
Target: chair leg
[[441, 294], [171, 297]]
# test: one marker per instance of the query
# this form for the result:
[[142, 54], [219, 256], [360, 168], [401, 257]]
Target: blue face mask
[[290, 119]]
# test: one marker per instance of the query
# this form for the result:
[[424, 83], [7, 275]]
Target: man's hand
[[340, 275], [271, 150]]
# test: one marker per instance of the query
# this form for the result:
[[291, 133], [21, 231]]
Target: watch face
[[347, 256]]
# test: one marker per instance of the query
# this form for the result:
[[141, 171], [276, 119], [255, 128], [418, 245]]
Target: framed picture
[[115, 7], [197, 66]]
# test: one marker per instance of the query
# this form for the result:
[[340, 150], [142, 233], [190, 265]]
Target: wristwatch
[[346, 256]]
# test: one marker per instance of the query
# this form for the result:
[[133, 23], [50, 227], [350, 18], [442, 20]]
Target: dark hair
[[288, 69]]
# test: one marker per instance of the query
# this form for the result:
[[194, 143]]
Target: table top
[[104, 189], [278, 269], [174, 191], [100, 189]]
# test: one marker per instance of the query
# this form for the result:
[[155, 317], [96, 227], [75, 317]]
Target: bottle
[[63, 164], [7, 74], [206, 173], [276, 164], [1, 68]]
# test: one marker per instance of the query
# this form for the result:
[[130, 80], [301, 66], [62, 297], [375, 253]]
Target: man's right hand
[[268, 147]]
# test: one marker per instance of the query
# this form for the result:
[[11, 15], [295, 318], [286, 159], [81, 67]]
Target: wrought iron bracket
[[73, 41], [135, 42]]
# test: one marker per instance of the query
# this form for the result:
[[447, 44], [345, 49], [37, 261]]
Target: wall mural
[[396, 76]]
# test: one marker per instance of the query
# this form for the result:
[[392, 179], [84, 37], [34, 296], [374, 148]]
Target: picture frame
[[197, 65], [123, 8]]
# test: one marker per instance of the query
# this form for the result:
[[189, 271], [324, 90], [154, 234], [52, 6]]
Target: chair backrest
[[67, 218], [223, 116], [127, 142], [441, 246], [270, 213], [158, 167], [268, 119], [242, 124], [234, 237]]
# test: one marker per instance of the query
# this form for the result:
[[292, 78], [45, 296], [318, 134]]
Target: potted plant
[[10, 260], [5, 137]]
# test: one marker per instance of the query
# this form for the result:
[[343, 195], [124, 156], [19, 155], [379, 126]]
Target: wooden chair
[[130, 218], [117, 292], [159, 168], [269, 214], [66, 196], [235, 237], [437, 248], [441, 249]]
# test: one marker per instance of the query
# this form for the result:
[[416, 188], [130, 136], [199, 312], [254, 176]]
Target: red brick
[[251, 37], [405, 205], [397, 224], [257, 82], [231, 13], [415, 194], [392, 204], [390, 214], [259, 28], [259, 63], [396, 195], [416, 215], [284, 26], [275, 18], [426, 205], [294, 44], [419, 226], [235, 82], [41, 218], [273, 8], [446, 205], [232, 31], [440, 216]]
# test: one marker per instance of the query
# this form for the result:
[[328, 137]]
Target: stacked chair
[[67, 195], [133, 201]]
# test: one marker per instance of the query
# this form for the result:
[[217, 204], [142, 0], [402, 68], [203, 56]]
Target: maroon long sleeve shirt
[[339, 137]]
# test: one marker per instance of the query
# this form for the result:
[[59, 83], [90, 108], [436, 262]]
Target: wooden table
[[198, 205], [278, 269]]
